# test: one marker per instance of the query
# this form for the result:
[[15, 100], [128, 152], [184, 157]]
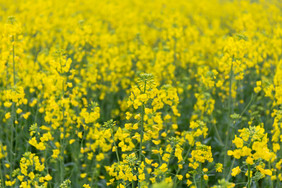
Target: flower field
[[147, 94]]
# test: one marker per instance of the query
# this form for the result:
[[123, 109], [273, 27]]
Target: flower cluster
[[252, 146], [30, 173], [140, 93]]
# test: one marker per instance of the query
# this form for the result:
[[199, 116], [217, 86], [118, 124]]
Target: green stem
[[142, 125], [115, 145], [249, 176], [63, 125], [132, 183], [201, 183], [245, 109], [217, 134], [141, 137], [184, 159], [1, 175], [93, 174], [13, 109], [271, 182], [141, 131], [194, 180], [230, 121], [228, 177], [14, 67]]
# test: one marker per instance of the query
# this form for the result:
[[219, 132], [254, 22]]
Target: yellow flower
[[55, 153], [141, 177], [236, 171], [188, 182], [179, 177], [276, 147], [163, 167], [257, 89], [174, 126], [120, 186], [238, 142], [48, 177], [250, 160], [31, 175], [71, 141], [148, 161], [7, 115], [19, 111], [219, 167], [168, 180], [83, 175], [7, 104], [10, 183], [20, 177], [26, 115]]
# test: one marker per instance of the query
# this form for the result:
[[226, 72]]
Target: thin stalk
[[141, 137], [244, 110], [14, 67], [115, 146], [63, 124], [170, 156], [217, 135], [271, 182], [194, 180], [249, 176], [228, 177], [201, 183], [1, 176], [229, 113], [184, 159], [141, 130], [13, 109], [92, 177], [132, 183]]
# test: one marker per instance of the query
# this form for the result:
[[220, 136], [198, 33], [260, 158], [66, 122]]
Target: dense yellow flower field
[[131, 93]]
